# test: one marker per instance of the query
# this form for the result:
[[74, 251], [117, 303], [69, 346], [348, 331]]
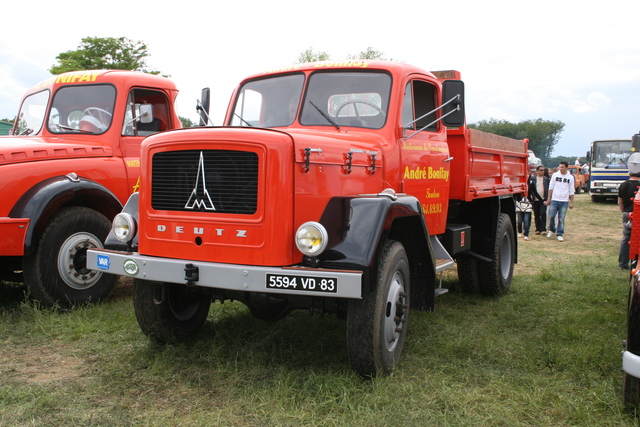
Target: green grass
[[546, 354]]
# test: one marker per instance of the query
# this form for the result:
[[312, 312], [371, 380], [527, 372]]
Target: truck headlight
[[124, 227], [311, 238]]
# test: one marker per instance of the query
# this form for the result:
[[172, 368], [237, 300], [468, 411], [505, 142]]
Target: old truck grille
[[221, 181]]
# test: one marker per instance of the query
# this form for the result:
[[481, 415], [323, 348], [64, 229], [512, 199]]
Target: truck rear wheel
[[169, 312], [58, 273], [495, 276], [377, 323]]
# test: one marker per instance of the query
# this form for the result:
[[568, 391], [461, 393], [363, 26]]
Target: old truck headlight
[[124, 227], [311, 238]]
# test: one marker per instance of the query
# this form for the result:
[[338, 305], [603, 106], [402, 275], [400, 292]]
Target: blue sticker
[[104, 262]]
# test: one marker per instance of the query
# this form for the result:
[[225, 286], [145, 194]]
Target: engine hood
[[320, 147], [22, 149]]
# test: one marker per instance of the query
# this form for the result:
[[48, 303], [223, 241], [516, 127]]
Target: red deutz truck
[[339, 188], [70, 164]]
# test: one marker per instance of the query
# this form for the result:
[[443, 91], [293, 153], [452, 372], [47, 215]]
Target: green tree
[[543, 135], [96, 53], [186, 122], [310, 56], [370, 53]]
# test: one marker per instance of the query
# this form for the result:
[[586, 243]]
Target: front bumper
[[631, 364], [348, 284]]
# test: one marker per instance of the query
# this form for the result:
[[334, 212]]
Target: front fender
[[42, 200], [358, 226]]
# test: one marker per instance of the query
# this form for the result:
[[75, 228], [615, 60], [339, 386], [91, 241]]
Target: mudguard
[[358, 226], [44, 199]]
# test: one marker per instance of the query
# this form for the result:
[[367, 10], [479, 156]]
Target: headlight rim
[[131, 223], [323, 235]]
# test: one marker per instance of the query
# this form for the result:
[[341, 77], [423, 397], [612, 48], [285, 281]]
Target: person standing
[[538, 185], [523, 209], [626, 195], [561, 192]]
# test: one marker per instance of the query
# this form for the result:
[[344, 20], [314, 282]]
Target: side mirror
[[453, 103], [146, 113], [203, 106], [635, 142]]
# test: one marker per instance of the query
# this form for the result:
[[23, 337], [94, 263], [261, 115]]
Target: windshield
[[268, 102], [346, 98], [611, 154], [31, 115], [82, 109]]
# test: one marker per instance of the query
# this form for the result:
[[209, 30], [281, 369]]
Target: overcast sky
[[556, 60]]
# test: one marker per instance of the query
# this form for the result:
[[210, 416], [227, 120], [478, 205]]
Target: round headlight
[[124, 227], [311, 238]]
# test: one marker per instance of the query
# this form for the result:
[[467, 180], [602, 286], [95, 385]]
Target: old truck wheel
[[630, 391], [468, 276], [495, 276], [377, 323], [168, 312], [58, 273]]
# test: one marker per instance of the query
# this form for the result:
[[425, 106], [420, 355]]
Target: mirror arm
[[455, 100], [201, 110]]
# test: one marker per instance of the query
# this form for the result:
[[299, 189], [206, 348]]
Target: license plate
[[302, 283]]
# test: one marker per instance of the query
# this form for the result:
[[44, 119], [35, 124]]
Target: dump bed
[[486, 165]]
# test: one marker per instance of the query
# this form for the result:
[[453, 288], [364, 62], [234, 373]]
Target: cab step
[[444, 261]]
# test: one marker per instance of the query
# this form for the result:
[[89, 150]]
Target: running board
[[443, 259], [443, 262]]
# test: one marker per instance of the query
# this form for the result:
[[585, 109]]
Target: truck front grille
[[220, 181]]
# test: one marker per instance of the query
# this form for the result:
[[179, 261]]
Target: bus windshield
[[611, 154]]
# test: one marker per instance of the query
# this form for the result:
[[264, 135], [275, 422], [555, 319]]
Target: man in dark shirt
[[626, 195]]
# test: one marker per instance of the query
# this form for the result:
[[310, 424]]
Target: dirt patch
[[38, 365]]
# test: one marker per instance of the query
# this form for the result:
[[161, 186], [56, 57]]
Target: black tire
[[495, 276], [630, 391], [377, 323], [57, 273], [468, 274], [168, 312]]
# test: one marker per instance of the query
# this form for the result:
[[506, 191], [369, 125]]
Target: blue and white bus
[[608, 168]]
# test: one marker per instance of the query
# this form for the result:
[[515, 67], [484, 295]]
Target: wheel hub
[[72, 261], [396, 312]]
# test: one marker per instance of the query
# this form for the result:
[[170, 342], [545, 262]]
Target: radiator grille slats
[[217, 181]]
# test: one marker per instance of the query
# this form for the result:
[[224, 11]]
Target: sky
[[560, 60]]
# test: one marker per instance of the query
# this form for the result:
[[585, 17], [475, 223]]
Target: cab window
[[147, 113], [418, 106]]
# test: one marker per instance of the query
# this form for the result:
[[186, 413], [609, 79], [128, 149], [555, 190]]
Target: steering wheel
[[360, 101], [95, 120]]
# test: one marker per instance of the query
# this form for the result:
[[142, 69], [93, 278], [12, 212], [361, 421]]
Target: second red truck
[[335, 187]]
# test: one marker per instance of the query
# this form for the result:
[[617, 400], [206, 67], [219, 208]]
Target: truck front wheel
[[495, 276], [377, 323], [58, 273], [169, 312]]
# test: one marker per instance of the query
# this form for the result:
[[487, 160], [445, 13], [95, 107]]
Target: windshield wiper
[[26, 132], [243, 120], [59, 126], [329, 119]]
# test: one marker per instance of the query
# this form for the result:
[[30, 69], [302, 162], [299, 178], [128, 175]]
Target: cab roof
[[117, 77], [394, 68]]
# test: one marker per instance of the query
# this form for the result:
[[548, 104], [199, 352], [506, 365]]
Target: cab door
[[424, 152], [140, 122]]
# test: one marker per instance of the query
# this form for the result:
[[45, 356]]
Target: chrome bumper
[[223, 276]]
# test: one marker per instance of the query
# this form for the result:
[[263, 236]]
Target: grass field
[[546, 354]]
